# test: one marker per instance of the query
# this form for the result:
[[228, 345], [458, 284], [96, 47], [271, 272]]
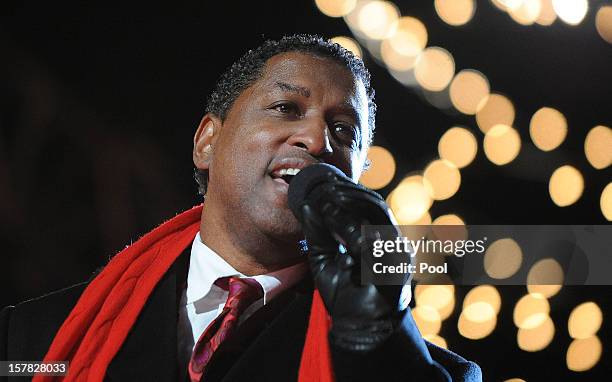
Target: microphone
[[344, 205]]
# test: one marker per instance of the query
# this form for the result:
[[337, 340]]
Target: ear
[[204, 139]]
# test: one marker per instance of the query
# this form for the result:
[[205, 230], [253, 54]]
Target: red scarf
[[99, 323]]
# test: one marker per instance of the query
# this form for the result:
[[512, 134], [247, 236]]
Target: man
[[159, 309]]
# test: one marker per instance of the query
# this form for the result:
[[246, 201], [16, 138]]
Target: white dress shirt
[[202, 301]]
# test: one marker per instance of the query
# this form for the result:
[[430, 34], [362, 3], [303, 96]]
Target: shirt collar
[[206, 266]]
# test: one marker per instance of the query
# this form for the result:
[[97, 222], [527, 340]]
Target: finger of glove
[[322, 247]]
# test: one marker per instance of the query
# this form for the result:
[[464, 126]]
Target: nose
[[313, 137]]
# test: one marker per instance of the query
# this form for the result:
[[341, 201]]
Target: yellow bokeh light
[[449, 227], [450, 219], [455, 12], [483, 293], [585, 320], [427, 319], [410, 36], [503, 258], [527, 12], [530, 311], [571, 11], [439, 297], [515, 380], [475, 330], [348, 44], [598, 147], [548, 128], [605, 202], [437, 340], [502, 144], [603, 22], [479, 312], [410, 200], [434, 68], [382, 168], [547, 13], [336, 8], [545, 278], [546, 291], [442, 179], [378, 19], [496, 110], [583, 354], [565, 186], [536, 338], [395, 60], [468, 90], [459, 146]]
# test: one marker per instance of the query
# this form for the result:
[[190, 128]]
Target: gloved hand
[[363, 316]]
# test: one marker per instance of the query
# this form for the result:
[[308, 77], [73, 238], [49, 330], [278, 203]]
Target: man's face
[[303, 110]]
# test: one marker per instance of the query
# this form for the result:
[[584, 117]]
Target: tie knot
[[242, 291]]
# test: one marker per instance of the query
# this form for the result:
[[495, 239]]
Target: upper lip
[[289, 162]]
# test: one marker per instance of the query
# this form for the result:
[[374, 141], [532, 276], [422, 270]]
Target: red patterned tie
[[242, 293]]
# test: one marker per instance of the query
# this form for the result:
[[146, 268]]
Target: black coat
[[268, 348]]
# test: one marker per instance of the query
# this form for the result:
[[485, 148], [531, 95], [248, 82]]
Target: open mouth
[[285, 175]]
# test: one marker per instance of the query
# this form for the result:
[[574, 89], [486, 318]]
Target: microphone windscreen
[[307, 180]]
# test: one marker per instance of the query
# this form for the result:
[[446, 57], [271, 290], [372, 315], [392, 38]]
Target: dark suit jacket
[[268, 348]]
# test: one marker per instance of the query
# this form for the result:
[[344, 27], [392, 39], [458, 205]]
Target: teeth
[[288, 171]]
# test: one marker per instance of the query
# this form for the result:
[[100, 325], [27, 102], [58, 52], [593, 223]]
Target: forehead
[[322, 74]]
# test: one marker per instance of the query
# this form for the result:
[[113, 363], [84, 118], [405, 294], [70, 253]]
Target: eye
[[347, 133], [286, 108]]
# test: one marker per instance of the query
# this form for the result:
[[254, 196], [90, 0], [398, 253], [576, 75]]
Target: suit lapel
[[149, 351]]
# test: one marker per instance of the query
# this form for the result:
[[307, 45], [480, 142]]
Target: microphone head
[[307, 180]]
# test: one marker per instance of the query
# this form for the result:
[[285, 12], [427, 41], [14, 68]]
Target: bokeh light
[[479, 312], [571, 11], [434, 68], [527, 12], [585, 320], [530, 311], [349, 44], [455, 12], [483, 293], [565, 186], [496, 110], [378, 19], [583, 354], [410, 200], [598, 147], [545, 278], [547, 13], [548, 128], [336, 8], [475, 330], [502, 144], [442, 179], [382, 168], [468, 90], [503, 258], [450, 219], [459, 146], [515, 380], [603, 22], [427, 319], [538, 337], [409, 37], [439, 297], [605, 202]]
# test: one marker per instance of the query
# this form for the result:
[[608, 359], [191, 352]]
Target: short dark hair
[[249, 68]]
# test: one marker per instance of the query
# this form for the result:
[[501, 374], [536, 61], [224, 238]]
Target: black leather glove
[[363, 316]]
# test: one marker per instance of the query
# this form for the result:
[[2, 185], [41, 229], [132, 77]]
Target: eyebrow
[[294, 88]]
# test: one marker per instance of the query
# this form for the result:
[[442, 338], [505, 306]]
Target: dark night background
[[99, 102]]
